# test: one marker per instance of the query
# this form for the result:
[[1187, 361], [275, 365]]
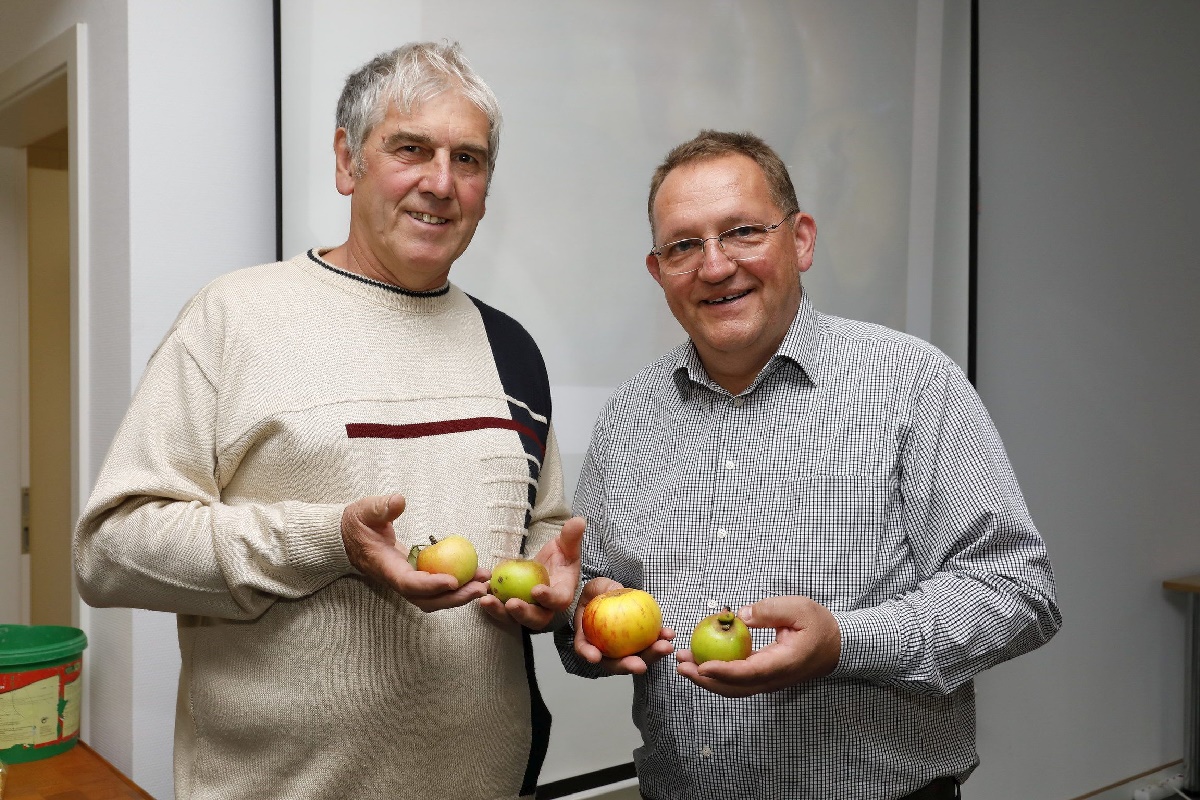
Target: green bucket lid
[[30, 644]]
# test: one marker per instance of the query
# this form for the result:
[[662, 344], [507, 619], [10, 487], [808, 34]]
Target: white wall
[[1088, 332], [181, 133]]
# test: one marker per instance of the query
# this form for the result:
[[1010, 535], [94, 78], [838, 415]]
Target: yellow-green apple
[[516, 577], [453, 555], [621, 622], [721, 637]]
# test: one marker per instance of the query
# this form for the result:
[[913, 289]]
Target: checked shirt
[[859, 469]]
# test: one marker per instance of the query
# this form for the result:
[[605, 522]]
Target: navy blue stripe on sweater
[[523, 376]]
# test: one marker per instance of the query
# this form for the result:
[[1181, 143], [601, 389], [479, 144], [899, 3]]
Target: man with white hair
[[300, 427]]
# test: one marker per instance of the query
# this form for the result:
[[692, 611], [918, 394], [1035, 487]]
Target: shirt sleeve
[[987, 589], [155, 533]]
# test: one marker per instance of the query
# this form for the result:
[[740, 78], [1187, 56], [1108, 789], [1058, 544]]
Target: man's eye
[[683, 247], [466, 158], [743, 232]]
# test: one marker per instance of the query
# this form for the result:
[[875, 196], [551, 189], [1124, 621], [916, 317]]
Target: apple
[[621, 622], [453, 555], [516, 577], [721, 637]]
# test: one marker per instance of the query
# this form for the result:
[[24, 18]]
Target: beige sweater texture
[[221, 500]]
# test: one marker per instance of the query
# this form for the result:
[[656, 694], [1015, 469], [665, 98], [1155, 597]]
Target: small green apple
[[453, 555], [721, 637], [516, 577]]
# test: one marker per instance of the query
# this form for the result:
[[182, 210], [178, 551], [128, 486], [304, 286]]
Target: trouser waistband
[[940, 789]]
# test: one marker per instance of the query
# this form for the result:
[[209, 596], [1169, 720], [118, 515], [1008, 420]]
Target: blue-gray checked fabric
[[860, 469]]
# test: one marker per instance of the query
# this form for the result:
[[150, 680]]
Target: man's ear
[[804, 235], [343, 177], [652, 268]]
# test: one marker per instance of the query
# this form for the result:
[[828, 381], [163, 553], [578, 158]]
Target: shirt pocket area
[[827, 537]]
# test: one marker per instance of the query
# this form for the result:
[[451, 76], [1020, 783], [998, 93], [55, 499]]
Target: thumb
[[571, 537], [385, 508], [773, 612]]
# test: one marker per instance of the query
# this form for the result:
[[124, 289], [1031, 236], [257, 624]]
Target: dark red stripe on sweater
[[376, 430]]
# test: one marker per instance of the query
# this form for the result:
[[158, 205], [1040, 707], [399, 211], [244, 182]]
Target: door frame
[[66, 54]]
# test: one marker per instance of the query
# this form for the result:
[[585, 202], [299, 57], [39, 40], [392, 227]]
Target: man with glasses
[[837, 482]]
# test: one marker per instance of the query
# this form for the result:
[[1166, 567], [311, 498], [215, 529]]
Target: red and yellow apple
[[621, 622], [721, 637], [516, 577], [452, 555]]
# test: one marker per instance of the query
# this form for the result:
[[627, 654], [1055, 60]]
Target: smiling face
[[420, 195], [736, 313]]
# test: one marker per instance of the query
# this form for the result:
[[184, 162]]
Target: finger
[[570, 538], [657, 651], [383, 508], [585, 649], [415, 583], [527, 614], [494, 608], [459, 597], [766, 667], [555, 598], [688, 670], [776, 612]]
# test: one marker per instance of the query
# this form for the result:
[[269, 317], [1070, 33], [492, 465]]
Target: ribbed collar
[[384, 294]]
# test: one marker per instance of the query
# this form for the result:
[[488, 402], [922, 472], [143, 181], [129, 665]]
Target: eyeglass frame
[[657, 251]]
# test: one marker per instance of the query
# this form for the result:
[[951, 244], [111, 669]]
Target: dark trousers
[[941, 789]]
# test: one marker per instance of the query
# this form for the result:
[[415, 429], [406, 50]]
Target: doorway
[[40, 331]]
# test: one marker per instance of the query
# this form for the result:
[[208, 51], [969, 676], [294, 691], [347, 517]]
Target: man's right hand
[[635, 664], [370, 543]]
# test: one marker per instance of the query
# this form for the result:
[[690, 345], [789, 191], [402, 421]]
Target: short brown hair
[[714, 144]]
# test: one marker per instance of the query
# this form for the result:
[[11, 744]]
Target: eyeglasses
[[740, 243]]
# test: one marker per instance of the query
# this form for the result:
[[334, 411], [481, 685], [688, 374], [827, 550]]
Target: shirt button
[[706, 751], [722, 533], [738, 402], [729, 464], [712, 604]]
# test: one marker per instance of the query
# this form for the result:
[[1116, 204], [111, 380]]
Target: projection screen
[[866, 100]]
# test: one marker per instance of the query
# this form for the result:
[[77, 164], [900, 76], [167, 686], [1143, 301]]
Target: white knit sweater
[[282, 393]]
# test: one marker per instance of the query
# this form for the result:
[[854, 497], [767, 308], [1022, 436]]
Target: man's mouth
[[729, 298], [430, 218]]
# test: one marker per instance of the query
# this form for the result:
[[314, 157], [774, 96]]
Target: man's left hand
[[560, 556], [807, 646]]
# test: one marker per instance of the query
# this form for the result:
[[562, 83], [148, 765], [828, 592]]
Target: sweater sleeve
[[155, 533], [550, 509]]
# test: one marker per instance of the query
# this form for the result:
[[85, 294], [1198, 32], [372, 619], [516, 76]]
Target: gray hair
[[408, 76]]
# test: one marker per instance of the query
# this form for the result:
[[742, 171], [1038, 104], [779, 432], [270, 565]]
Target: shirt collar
[[800, 346]]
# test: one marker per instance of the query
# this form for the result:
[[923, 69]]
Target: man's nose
[[717, 265], [438, 179]]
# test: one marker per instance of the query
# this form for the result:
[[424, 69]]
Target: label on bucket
[[39, 707]]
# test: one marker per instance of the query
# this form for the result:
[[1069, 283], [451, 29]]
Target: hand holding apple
[[807, 646], [370, 542], [619, 603], [554, 594]]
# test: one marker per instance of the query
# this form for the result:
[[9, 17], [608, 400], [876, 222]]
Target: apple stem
[[725, 618]]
